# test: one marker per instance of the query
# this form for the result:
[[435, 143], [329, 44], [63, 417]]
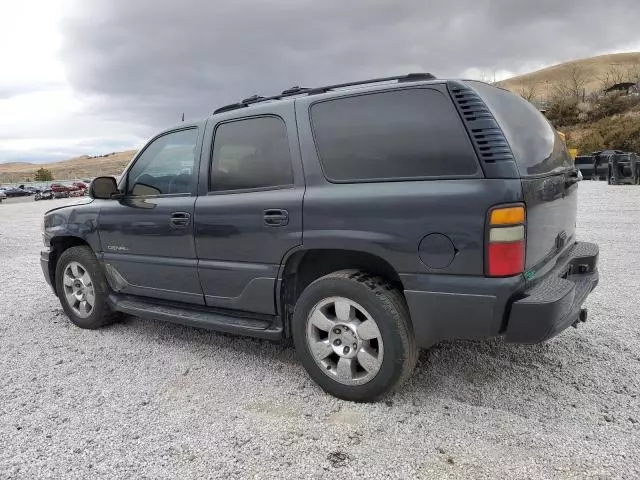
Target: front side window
[[166, 167], [251, 153]]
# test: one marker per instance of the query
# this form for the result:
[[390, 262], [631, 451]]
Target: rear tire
[[364, 346], [82, 289]]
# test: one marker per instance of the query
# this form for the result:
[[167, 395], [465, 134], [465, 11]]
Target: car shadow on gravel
[[468, 371], [187, 336], [512, 378]]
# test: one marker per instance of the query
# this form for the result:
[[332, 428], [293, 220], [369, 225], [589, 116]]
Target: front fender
[[75, 221]]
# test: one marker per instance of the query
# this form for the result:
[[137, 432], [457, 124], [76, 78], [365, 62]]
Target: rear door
[[249, 211], [549, 185]]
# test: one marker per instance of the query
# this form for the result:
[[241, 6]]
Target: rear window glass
[[534, 142], [392, 135]]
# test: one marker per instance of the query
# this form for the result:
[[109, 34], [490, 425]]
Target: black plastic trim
[[410, 77], [487, 137], [252, 325]]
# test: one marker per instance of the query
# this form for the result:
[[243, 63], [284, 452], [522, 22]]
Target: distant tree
[[591, 141], [563, 111], [43, 175], [633, 74], [612, 76], [572, 86], [528, 91]]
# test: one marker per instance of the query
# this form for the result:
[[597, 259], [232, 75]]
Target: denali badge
[[117, 248]]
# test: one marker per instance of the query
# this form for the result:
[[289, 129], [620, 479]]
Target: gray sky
[[95, 76]]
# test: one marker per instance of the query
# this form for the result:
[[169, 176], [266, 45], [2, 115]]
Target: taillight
[[506, 241]]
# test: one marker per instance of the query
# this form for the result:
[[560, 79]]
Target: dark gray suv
[[363, 220]]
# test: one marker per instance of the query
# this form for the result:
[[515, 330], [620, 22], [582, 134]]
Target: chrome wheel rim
[[345, 341], [78, 289]]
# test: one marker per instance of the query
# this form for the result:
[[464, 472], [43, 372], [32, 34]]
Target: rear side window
[[251, 153], [402, 134], [537, 147]]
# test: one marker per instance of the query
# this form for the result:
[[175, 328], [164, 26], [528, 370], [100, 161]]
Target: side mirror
[[103, 188]]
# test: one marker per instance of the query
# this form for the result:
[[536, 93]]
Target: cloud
[[11, 90], [99, 74], [147, 61]]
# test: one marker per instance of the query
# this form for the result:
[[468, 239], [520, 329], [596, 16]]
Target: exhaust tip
[[583, 315]]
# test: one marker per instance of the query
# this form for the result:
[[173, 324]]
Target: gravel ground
[[143, 399]]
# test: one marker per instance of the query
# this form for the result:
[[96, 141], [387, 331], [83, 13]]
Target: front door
[[251, 212], [147, 236]]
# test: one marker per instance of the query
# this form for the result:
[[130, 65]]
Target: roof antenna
[[183, 116]]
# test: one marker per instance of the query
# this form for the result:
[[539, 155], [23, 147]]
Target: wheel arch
[[301, 267], [58, 246]]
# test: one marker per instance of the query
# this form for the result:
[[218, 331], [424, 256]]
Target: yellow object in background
[[573, 153]]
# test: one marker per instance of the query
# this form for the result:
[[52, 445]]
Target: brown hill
[[75, 168], [591, 74]]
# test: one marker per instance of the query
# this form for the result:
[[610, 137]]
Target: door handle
[[276, 217], [180, 219]]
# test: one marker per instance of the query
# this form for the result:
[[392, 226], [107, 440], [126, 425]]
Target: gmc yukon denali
[[362, 220]]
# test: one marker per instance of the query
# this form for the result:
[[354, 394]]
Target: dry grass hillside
[[75, 168], [571, 94], [588, 74]]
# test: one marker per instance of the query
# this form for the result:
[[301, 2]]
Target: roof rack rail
[[411, 77], [294, 90]]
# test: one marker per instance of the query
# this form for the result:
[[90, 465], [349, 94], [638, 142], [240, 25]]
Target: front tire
[[352, 333], [82, 289]]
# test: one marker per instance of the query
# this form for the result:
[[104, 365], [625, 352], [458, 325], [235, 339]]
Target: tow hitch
[[582, 318]]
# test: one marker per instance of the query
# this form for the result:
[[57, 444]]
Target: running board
[[196, 317]]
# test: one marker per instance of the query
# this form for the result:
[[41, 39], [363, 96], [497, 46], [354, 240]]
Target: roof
[[299, 91]]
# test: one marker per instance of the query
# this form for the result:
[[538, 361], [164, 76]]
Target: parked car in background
[[45, 194], [80, 185], [16, 192], [584, 163], [623, 169], [33, 190], [59, 190], [3, 195], [594, 166]]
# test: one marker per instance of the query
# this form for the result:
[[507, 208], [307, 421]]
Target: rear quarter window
[[536, 146], [394, 135]]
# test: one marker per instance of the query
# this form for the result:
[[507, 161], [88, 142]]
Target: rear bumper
[[448, 307], [554, 303]]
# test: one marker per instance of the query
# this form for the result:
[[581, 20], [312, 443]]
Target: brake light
[[506, 241]]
